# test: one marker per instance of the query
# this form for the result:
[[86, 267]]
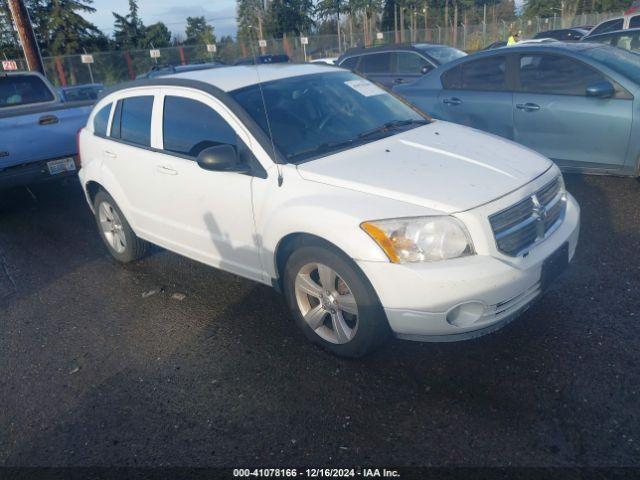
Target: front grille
[[519, 227]]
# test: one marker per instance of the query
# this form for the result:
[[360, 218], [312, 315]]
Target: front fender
[[331, 213]]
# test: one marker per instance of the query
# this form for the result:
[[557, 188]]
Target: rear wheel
[[333, 303], [121, 241]]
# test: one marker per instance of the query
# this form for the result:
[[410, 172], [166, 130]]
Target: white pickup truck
[[369, 216]]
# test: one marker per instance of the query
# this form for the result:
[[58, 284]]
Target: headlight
[[563, 187], [420, 239]]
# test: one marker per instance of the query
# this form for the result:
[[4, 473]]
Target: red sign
[[9, 65]]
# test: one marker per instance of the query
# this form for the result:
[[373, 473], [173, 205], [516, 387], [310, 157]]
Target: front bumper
[[419, 298]]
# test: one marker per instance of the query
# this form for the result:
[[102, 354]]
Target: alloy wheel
[[326, 303], [111, 226]]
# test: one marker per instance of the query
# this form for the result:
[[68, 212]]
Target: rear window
[[101, 120], [132, 120], [443, 54], [18, 90]]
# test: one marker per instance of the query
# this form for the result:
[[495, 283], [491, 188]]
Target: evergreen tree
[[66, 31], [547, 8], [251, 18], [330, 12], [291, 16], [129, 29], [156, 36], [199, 32], [8, 40]]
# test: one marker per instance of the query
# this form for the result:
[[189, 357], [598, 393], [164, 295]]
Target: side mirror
[[601, 89], [221, 158], [425, 69]]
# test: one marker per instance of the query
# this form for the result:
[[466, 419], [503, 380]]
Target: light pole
[[21, 19]]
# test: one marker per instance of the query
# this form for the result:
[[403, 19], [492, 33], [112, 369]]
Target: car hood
[[441, 166]]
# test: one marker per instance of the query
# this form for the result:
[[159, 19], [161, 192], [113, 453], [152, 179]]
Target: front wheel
[[333, 303]]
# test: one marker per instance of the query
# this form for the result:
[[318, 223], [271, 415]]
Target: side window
[[634, 22], [350, 63], [487, 74], [555, 75], [100, 121], [375, 63], [189, 126], [452, 79], [609, 26], [410, 63], [132, 120]]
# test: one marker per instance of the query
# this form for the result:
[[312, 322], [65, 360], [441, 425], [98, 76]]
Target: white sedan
[[370, 217]]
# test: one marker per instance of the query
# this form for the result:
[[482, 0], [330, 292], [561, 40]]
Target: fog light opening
[[466, 314]]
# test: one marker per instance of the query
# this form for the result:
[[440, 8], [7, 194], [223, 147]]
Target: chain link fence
[[112, 67]]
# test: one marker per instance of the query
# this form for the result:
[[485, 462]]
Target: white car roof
[[233, 78]]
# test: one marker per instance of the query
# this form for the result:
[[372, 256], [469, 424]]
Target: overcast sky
[[220, 13]]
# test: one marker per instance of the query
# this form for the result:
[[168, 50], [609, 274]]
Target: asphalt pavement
[[169, 362]]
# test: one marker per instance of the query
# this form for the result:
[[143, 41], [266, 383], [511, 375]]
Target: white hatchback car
[[370, 217]]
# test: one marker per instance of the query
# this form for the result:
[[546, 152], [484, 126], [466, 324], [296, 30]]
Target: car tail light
[[78, 159]]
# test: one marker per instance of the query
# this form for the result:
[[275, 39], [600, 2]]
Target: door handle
[[166, 170], [528, 107], [48, 120], [110, 154], [398, 81], [452, 101]]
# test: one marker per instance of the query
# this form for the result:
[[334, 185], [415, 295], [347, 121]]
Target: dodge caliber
[[372, 219]]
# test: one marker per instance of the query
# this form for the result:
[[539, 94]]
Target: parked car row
[[392, 65]]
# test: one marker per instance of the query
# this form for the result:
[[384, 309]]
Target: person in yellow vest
[[513, 38]]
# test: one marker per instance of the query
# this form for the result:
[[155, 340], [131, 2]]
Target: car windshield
[[621, 61], [314, 115], [443, 54], [23, 90]]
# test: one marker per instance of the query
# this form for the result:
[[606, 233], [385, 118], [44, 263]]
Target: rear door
[[378, 68], [478, 94], [553, 115], [128, 157]]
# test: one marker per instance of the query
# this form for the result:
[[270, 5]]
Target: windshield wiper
[[322, 148], [393, 125], [329, 146]]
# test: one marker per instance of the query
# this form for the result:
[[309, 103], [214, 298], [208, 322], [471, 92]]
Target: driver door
[[204, 215], [554, 116]]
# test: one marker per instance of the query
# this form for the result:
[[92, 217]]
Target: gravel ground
[[168, 362]]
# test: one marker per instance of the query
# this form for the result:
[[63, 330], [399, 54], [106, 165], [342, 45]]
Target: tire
[[364, 332], [121, 241]]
